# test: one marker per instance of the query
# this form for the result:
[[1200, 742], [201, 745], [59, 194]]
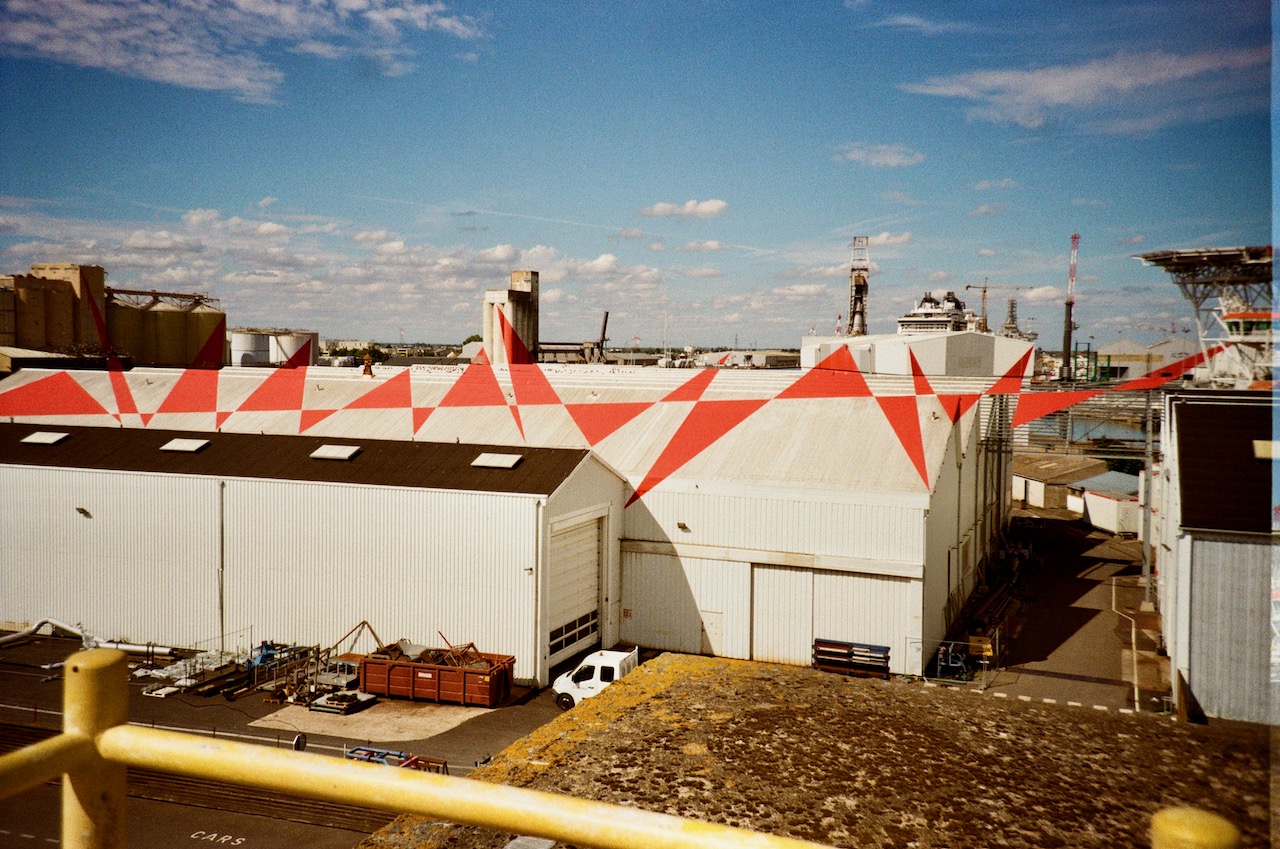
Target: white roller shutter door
[[574, 604]]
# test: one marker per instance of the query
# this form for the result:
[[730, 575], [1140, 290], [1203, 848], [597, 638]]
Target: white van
[[596, 671]]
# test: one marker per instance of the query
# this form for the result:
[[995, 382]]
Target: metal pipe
[[1192, 828], [95, 698], [44, 761], [495, 806]]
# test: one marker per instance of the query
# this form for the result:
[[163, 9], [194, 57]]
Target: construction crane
[[1068, 321], [984, 287], [859, 284]]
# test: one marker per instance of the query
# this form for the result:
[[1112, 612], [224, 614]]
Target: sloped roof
[[1117, 483], [1057, 468], [421, 465]]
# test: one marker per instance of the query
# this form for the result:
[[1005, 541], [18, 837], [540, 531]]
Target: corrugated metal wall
[[1230, 663], [306, 562], [737, 609], [138, 564], [793, 522]]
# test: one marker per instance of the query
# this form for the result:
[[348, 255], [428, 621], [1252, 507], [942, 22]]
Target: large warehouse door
[[781, 614], [574, 603]]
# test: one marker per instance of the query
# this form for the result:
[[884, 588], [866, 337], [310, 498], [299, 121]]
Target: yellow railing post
[[1192, 828], [95, 698]]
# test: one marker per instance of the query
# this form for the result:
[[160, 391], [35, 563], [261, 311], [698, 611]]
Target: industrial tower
[[859, 276], [1068, 321]]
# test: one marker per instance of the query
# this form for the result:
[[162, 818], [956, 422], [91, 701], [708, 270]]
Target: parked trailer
[[486, 685]]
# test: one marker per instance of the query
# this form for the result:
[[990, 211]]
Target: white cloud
[[1003, 183], [271, 228], [701, 273], [267, 201], [923, 26], [160, 240], [878, 155], [1131, 240], [802, 290], [938, 276], [704, 247], [887, 238], [688, 209], [986, 210], [629, 233], [1042, 294], [1137, 92], [498, 254], [220, 46], [371, 237], [986, 252]]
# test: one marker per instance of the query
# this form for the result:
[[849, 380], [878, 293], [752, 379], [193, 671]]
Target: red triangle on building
[[955, 406], [310, 418], [903, 414], [282, 390], [1011, 383], [917, 376], [420, 416], [694, 387], [196, 391], [125, 404], [56, 395], [210, 355], [596, 421], [838, 376], [393, 394], [531, 386], [1036, 405], [517, 351], [475, 387], [706, 423]]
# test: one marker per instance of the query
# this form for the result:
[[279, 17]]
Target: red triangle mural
[[475, 387], [282, 390], [596, 421], [195, 392], [1011, 383], [1161, 376], [706, 423], [517, 351], [210, 355], [903, 413], [917, 376], [393, 394], [692, 389], [531, 386], [310, 418], [120, 387], [1035, 405], [955, 406], [56, 395], [420, 416], [838, 376]]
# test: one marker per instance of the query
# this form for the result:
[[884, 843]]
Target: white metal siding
[[141, 566], [875, 609], [687, 604], [796, 522], [574, 588], [306, 562], [1230, 661], [782, 615]]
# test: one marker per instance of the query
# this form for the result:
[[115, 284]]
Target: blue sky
[[364, 168]]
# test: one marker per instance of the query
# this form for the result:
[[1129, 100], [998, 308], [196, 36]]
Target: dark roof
[[1225, 487], [423, 465]]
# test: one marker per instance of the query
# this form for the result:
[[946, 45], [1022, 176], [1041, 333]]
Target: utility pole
[[1068, 323]]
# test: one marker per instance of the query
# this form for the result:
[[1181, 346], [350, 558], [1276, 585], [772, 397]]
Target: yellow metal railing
[[97, 745]]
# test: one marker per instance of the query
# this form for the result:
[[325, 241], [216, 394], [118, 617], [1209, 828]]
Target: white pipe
[[86, 638]]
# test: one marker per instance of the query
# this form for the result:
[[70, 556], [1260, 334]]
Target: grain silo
[[59, 315], [124, 327], [30, 314], [203, 322], [168, 328]]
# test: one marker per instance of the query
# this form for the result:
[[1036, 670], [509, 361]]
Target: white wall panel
[[687, 604], [875, 609], [141, 566], [794, 522], [782, 614], [307, 562]]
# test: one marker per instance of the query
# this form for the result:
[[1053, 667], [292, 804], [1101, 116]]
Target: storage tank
[[250, 348], [59, 316], [8, 316], [169, 325], [124, 328], [203, 321], [287, 343], [30, 331]]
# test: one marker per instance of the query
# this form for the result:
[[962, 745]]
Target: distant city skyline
[[363, 167]]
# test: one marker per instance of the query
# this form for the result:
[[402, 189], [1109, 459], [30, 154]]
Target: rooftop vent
[[185, 446], [45, 437], [335, 452], [497, 461]]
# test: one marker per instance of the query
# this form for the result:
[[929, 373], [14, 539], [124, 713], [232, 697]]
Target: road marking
[[1133, 641], [1075, 704], [1050, 701], [1101, 707], [1001, 695], [1024, 698]]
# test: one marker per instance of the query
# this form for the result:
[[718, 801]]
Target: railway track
[[216, 795]]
